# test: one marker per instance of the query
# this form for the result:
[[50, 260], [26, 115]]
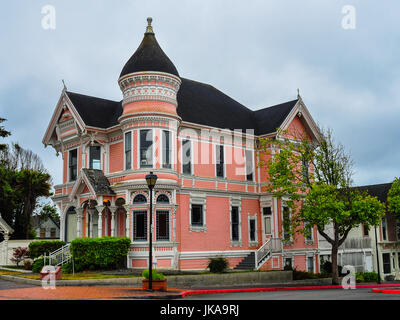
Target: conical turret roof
[[149, 56]]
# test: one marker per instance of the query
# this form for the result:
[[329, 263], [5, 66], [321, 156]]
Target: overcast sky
[[257, 52]]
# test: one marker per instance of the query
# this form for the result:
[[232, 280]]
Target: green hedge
[[100, 253], [38, 248], [154, 274]]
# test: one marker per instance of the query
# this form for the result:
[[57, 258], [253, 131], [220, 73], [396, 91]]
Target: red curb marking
[[386, 291], [190, 292]]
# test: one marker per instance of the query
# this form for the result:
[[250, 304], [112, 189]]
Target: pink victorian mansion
[[208, 200]]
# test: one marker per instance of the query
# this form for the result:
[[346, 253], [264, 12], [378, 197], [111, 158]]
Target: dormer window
[[94, 157]]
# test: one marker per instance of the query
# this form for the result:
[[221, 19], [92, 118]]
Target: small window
[[252, 231], [220, 160], [166, 149], [140, 225], [197, 215], [310, 264], [94, 158], [288, 262], [162, 198], [42, 232], [267, 225], [53, 232], [249, 165], [73, 164], [386, 263], [365, 230], [128, 150], [186, 157], [162, 222], [384, 229], [267, 211], [139, 198], [309, 230], [235, 223], [146, 148]]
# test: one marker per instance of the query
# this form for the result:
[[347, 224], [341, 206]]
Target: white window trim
[[77, 164], [169, 225], [199, 199], [170, 150], [101, 155], [131, 132], [236, 202], [309, 241], [313, 263], [215, 160], [249, 218], [252, 164], [290, 240], [191, 157], [152, 149]]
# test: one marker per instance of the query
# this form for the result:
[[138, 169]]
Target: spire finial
[[149, 28], [298, 93]]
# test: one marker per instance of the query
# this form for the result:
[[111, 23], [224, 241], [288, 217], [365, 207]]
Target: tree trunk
[[335, 272]]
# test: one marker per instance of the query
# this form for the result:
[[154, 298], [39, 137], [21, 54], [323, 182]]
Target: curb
[[386, 291], [195, 292]]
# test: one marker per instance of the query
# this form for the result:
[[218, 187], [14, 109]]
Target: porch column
[[79, 222], [127, 215], [100, 221], [113, 209], [91, 223], [5, 248]]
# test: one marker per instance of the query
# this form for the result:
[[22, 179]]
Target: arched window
[[162, 198], [139, 198]]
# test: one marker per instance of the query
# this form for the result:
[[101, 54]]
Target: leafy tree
[[394, 197], [19, 255], [315, 180], [3, 133], [31, 185]]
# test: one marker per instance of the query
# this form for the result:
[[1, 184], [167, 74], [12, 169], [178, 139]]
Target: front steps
[[248, 263]]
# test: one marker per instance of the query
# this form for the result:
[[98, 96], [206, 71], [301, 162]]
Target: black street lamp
[[151, 180]]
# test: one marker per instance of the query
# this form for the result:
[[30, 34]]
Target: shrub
[[99, 253], [217, 265], [19, 255], [39, 248], [38, 265], [302, 275], [326, 267], [288, 268], [28, 264], [154, 274]]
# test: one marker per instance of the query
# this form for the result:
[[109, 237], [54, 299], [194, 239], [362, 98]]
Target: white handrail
[[262, 254]]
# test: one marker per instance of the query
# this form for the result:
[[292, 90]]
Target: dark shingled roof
[[377, 190], [198, 103], [149, 57], [98, 181], [96, 112], [203, 104], [269, 119]]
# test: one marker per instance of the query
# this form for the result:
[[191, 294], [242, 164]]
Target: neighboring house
[[46, 229], [388, 236], [359, 249], [209, 198]]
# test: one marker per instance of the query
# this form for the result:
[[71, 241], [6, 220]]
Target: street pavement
[[321, 294]]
